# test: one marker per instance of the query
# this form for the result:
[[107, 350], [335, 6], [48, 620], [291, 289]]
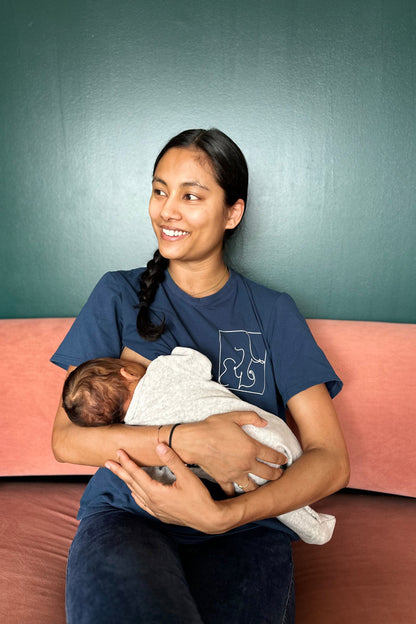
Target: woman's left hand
[[185, 502]]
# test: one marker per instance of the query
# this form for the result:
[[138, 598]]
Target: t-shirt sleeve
[[96, 332], [298, 361]]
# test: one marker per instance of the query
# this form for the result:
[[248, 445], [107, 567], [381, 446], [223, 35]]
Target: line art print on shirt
[[242, 361]]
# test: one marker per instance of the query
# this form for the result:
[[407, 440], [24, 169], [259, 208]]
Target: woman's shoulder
[[274, 309], [263, 294], [119, 281], [122, 276], [112, 291]]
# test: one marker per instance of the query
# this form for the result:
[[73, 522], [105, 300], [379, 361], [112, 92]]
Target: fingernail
[[107, 465]]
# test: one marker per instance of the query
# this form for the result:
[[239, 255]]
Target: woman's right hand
[[221, 448]]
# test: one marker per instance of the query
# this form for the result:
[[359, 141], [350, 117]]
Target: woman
[[191, 552]]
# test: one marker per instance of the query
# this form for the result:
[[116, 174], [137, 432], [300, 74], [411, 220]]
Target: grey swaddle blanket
[[179, 388]]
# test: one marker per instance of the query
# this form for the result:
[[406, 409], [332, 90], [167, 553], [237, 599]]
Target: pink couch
[[366, 573]]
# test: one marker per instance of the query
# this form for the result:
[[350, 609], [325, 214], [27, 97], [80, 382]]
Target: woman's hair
[[95, 392], [231, 173]]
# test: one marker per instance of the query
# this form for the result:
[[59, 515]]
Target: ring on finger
[[244, 487]]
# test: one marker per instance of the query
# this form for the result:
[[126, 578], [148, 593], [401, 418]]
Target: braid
[[153, 275]]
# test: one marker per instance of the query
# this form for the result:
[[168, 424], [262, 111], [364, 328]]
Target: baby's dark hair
[[95, 392], [231, 172]]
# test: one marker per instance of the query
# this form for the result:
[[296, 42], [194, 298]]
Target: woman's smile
[[173, 235]]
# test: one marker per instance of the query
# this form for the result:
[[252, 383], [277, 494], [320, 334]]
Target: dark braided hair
[[153, 275], [231, 173]]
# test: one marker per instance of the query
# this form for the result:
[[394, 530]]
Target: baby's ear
[[127, 375]]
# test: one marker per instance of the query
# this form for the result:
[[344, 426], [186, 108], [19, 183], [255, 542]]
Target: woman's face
[[187, 207]]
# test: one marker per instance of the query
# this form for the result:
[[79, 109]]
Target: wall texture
[[319, 94]]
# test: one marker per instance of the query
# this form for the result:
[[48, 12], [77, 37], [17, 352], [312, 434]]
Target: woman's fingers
[[248, 418], [136, 479], [263, 453], [221, 447], [186, 502], [124, 470], [267, 454], [170, 459], [269, 473], [247, 485]]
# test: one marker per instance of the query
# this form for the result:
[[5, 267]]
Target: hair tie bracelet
[[171, 433]]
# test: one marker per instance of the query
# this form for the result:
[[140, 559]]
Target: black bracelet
[[171, 433]]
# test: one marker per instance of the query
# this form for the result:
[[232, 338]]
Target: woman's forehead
[[186, 165]]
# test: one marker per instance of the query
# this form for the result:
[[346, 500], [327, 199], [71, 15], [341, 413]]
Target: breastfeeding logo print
[[242, 361]]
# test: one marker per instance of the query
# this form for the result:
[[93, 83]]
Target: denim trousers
[[128, 568]]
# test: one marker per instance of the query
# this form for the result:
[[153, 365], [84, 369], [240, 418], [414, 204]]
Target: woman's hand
[[221, 448], [186, 502]]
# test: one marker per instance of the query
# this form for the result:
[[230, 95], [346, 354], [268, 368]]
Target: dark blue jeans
[[127, 568]]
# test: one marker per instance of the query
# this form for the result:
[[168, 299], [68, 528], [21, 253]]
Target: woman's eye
[[191, 196], [159, 192]]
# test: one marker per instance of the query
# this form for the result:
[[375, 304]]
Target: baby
[[179, 388]]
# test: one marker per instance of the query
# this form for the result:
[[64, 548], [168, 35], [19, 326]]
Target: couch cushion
[[36, 530], [31, 387], [366, 573], [377, 363]]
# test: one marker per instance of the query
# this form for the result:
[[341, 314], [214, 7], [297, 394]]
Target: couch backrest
[[377, 406], [376, 361], [30, 391]]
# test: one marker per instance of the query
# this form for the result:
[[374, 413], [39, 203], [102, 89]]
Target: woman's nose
[[170, 209]]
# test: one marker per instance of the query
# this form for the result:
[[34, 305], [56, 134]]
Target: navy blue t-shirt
[[258, 343]]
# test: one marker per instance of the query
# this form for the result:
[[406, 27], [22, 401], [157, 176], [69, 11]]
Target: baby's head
[[98, 392]]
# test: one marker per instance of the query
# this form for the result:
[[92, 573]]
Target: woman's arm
[[92, 446], [322, 469], [218, 446]]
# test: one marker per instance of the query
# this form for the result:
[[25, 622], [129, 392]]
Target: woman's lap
[[124, 567], [242, 578]]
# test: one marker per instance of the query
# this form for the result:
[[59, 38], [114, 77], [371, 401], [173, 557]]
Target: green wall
[[319, 94]]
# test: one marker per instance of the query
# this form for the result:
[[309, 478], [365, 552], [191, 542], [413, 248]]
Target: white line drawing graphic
[[242, 361]]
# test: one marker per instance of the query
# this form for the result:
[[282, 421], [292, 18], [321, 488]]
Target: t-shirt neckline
[[174, 289]]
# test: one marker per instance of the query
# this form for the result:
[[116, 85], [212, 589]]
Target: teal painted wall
[[320, 95]]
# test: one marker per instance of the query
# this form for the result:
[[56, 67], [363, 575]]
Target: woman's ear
[[235, 214]]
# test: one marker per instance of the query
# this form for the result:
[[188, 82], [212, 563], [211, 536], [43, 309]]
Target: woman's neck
[[199, 281]]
